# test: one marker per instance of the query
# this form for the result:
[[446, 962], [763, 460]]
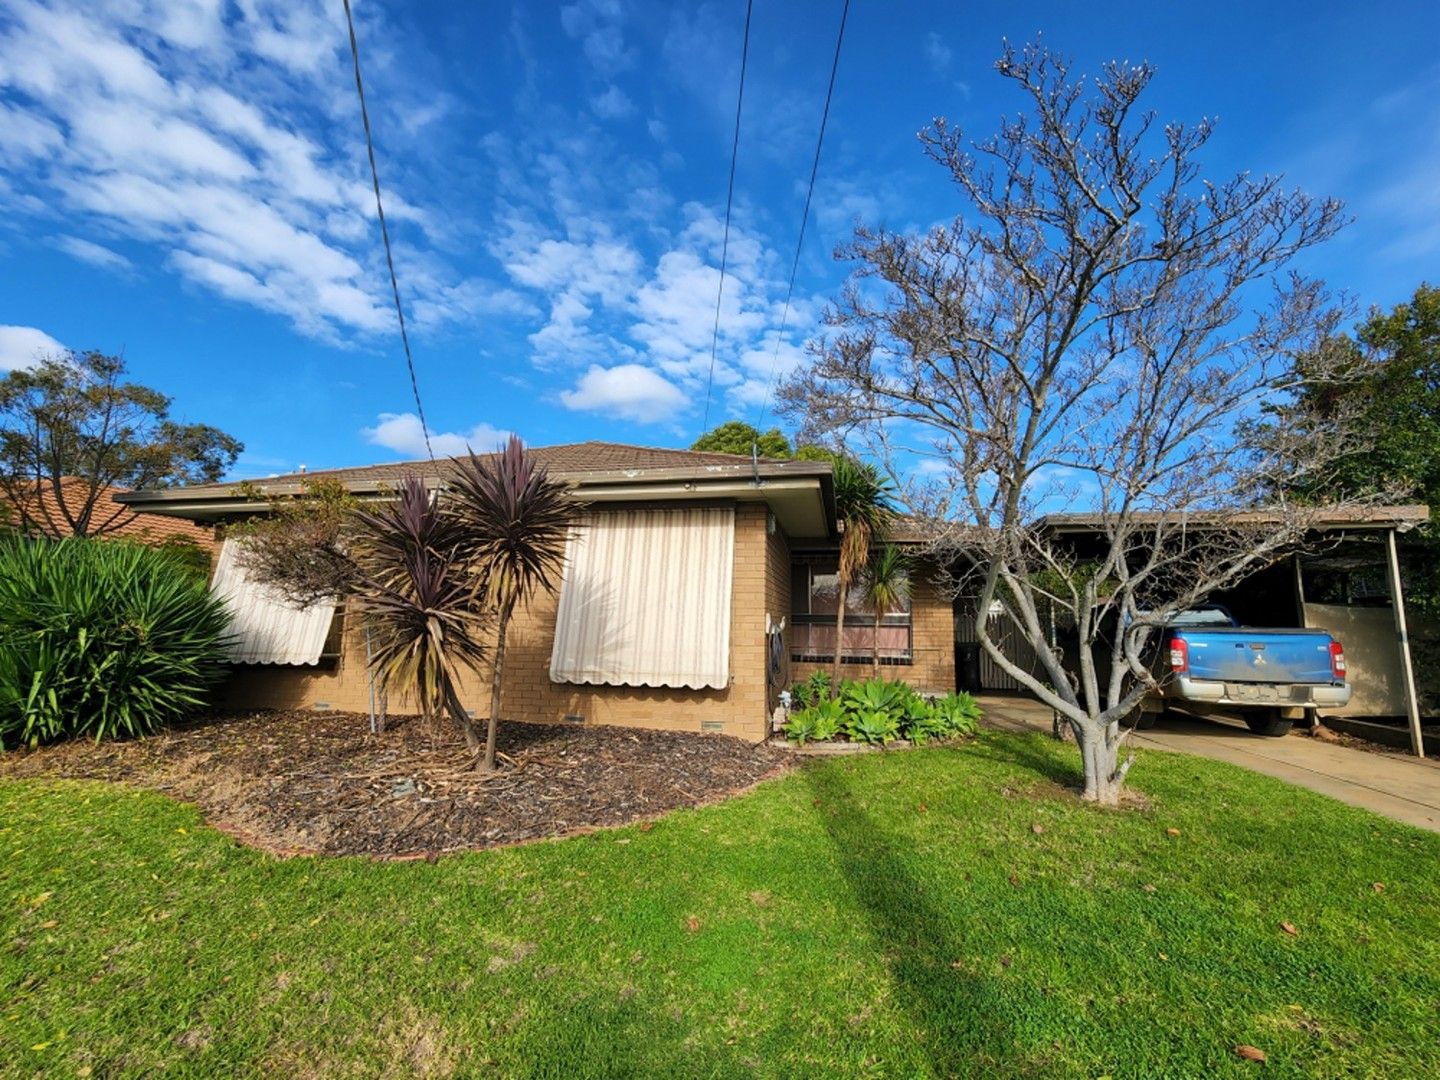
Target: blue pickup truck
[[1206, 662]]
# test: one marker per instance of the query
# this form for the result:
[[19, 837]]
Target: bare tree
[[1101, 327]]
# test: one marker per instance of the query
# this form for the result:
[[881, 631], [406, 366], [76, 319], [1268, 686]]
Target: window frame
[[853, 619]]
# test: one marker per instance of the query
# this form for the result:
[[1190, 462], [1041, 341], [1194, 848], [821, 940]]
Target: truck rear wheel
[[1270, 722]]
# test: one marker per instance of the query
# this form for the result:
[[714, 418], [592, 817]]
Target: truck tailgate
[[1259, 656]]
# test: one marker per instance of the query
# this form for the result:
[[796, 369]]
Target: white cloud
[[613, 104], [626, 392], [95, 254], [403, 433], [938, 53], [22, 346], [596, 24], [224, 134]]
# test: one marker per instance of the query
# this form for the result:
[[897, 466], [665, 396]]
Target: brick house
[[700, 585]]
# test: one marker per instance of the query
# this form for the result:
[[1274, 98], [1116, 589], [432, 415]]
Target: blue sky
[[185, 180]]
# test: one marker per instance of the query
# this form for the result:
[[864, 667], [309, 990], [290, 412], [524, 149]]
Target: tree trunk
[[875, 646], [462, 719], [839, 640], [503, 624], [1099, 755]]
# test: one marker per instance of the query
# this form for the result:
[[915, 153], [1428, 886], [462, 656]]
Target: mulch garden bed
[[319, 782]]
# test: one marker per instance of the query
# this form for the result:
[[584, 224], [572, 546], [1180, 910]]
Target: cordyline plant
[[515, 521], [1099, 329], [430, 574], [413, 592]]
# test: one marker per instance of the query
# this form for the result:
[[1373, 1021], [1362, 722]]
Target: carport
[[1347, 580]]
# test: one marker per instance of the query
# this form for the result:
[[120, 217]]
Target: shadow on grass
[[1047, 758], [954, 1012]]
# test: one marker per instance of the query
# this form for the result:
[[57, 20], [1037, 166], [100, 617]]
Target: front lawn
[[940, 912]]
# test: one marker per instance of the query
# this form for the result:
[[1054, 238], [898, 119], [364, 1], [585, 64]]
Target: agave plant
[[863, 509], [516, 521], [416, 598]]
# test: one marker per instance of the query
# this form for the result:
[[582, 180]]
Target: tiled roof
[[571, 461], [568, 458], [131, 525]]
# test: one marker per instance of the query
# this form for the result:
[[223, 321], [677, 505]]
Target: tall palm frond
[[864, 510], [516, 522], [887, 586]]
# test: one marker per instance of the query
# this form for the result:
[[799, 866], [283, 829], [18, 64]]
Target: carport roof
[[1322, 518]]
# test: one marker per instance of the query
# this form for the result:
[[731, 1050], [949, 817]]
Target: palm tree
[[887, 586], [417, 601], [516, 522], [863, 510]]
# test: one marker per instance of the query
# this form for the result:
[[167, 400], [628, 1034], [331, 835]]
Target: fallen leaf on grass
[[1172, 832], [922, 808], [646, 826], [760, 898], [1249, 1053], [1289, 928], [1006, 960], [692, 924], [1037, 828], [49, 924], [1148, 887], [1379, 886], [1015, 880]]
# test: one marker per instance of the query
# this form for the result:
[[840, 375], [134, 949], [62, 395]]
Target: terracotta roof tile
[[132, 525]]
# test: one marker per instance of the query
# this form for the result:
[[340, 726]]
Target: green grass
[[889, 915]]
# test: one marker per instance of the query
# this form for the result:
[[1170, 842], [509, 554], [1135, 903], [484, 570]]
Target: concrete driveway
[[1400, 787]]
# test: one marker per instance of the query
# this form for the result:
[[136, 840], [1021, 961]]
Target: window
[[814, 601]]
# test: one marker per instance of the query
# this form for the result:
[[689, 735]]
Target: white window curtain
[[266, 629], [645, 599]]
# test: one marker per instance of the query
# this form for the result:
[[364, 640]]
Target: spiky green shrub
[[101, 638]]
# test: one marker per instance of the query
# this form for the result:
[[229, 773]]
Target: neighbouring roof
[[113, 515], [799, 492], [1401, 517]]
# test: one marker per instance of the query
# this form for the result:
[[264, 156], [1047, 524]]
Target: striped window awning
[[645, 599], [265, 628]]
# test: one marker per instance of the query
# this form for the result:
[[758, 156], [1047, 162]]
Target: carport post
[[1397, 601]]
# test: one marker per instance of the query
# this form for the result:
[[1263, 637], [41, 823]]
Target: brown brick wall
[[777, 605], [740, 708], [932, 669]]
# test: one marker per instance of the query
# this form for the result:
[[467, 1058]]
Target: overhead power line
[[805, 215], [729, 200], [385, 231]]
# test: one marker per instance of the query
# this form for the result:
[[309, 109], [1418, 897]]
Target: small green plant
[[873, 695], [829, 718], [920, 721], [959, 713], [802, 726], [873, 726]]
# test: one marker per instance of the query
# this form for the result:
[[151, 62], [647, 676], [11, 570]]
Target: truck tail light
[[1337, 660], [1180, 656]]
